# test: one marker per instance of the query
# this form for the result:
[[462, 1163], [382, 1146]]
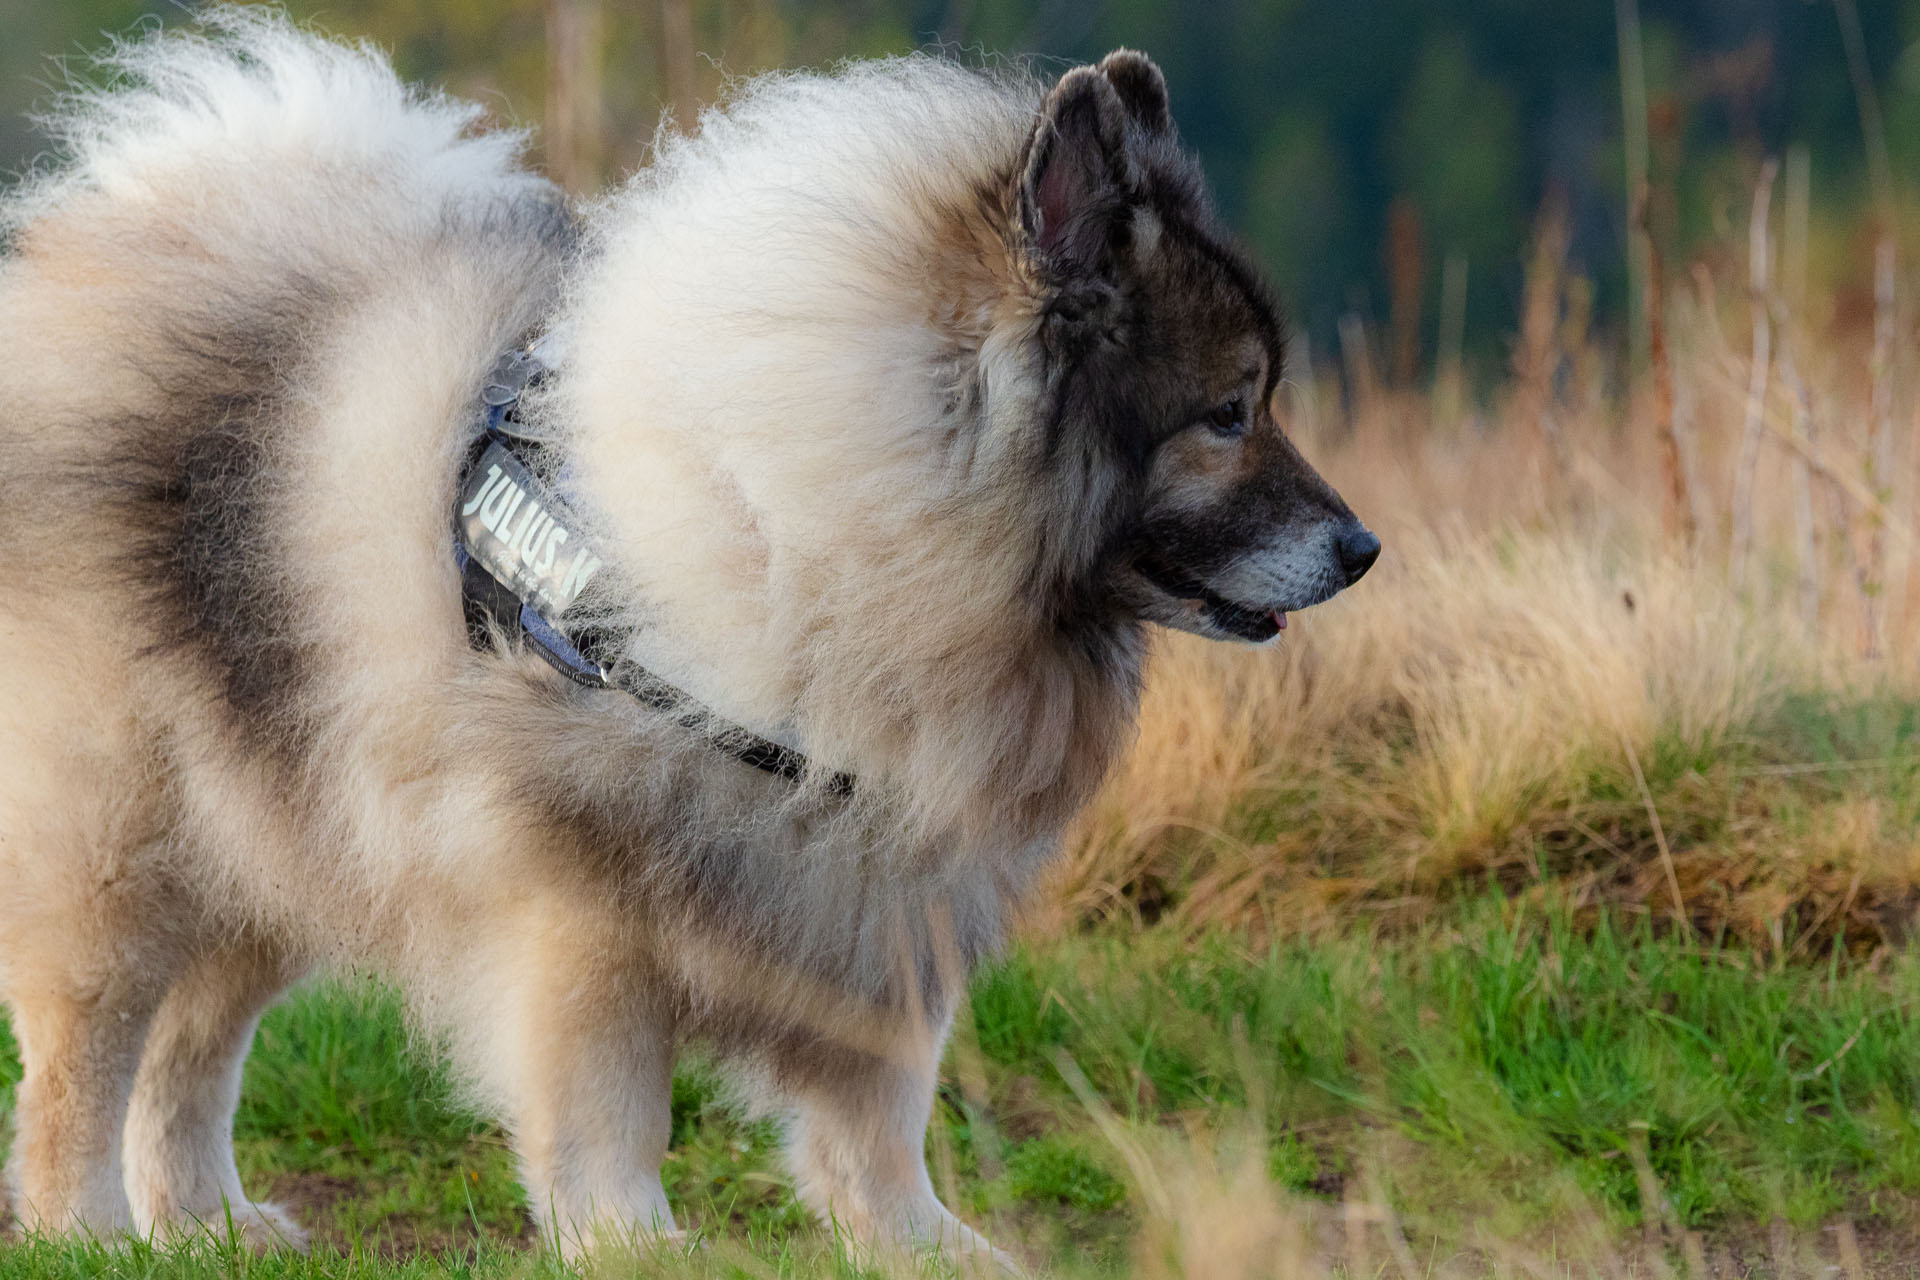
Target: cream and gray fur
[[898, 401]]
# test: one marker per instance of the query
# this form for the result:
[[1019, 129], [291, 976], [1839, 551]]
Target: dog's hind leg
[[180, 1172], [79, 1045], [83, 982]]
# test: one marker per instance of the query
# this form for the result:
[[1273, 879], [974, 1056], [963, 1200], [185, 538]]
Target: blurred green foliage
[[1314, 116]]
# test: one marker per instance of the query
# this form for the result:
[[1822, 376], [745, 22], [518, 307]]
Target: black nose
[[1358, 550]]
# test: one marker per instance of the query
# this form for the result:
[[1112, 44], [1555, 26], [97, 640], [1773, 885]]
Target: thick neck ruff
[[523, 563]]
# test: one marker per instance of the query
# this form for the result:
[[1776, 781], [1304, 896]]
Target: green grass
[[1490, 1071], [1496, 1071], [1511, 1049]]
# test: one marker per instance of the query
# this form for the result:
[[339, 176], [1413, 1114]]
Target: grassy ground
[[1514, 1082]]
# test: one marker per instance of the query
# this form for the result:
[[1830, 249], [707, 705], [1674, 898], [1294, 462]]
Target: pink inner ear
[[1059, 190]]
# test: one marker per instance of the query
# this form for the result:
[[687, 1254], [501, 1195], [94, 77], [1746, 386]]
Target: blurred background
[[1387, 160]]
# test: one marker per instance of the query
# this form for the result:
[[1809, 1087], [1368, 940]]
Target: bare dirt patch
[[314, 1200]]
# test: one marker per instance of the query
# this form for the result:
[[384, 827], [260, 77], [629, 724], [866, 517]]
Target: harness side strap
[[523, 561]]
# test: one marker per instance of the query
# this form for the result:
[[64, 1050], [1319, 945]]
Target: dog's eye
[[1227, 420]]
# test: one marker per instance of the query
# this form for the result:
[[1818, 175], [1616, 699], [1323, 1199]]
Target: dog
[[889, 408]]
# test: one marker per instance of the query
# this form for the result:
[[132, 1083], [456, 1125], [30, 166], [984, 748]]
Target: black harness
[[523, 561]]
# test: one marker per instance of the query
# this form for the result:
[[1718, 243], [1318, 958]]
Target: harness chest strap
[[524, 561]]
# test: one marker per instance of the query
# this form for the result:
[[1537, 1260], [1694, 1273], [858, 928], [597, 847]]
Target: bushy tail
[[246, 87]]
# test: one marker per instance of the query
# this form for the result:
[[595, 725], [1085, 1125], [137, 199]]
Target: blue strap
[[550, 638]]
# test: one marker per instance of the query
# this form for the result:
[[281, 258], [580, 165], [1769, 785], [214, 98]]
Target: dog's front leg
[[585, 1060], [856, 1145]]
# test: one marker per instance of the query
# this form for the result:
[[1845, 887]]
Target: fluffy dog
[[896, 403]]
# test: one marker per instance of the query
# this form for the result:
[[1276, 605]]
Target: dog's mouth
[[1243, 621]]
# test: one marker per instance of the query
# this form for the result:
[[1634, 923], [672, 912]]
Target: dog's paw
[[616, 1248], [981, 1261], [266, 1227], [258, 1227], [969, 1254]]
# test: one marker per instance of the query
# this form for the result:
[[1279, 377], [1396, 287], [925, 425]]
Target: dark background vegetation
[[1356, 143]]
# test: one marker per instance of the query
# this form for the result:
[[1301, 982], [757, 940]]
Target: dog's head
[[1162, 350]]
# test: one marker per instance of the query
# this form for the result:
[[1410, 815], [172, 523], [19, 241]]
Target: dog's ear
[[1074, 185], [1141, 87]]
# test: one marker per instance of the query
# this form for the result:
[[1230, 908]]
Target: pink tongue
[[1280, 619]]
